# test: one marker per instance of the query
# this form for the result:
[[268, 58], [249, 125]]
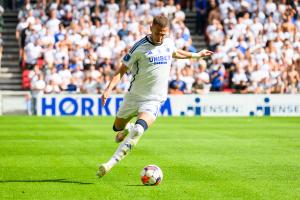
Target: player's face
[[158, 33]]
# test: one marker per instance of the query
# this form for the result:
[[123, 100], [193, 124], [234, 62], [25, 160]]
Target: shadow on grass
[[137, 185], [45, 181]]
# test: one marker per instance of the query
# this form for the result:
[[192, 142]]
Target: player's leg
[[127, 110], [146, 116], [144, 120], [121, 126]]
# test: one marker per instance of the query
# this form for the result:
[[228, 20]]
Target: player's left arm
[[181, 54]]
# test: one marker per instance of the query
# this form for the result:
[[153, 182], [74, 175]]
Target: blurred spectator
[[293, 80], [202, 83], [90, 85], [71, 86], [33, 51], [217, 78], [52, 88], [37, 88], [177, 86], [53, 23], [188, 77], [201, 10], [124, 31], [239, 80]]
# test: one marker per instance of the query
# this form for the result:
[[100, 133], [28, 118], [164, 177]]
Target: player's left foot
[[103, 169], [122, 134]]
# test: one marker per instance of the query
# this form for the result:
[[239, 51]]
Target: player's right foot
[[103, 169]]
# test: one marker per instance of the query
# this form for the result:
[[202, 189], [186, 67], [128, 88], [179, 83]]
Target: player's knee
[[116, 129]]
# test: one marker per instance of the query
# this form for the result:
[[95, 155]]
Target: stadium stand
[[10, 72], [75, 46], [256, 44]]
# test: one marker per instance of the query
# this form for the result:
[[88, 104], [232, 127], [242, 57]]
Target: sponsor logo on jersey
[[158, 60]]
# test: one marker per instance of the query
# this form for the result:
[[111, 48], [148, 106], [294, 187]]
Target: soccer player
[[149, 60]]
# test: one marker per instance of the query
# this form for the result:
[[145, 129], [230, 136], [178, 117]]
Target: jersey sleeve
[[130, 59]]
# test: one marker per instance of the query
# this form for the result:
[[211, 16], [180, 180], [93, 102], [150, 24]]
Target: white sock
[[126, 146]]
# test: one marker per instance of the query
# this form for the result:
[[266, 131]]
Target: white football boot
[[103, 169]]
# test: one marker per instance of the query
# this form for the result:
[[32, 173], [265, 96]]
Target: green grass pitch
[[201, 158]]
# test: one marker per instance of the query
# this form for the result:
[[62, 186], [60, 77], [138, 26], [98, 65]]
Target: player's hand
[[105, 96], [205, 53]]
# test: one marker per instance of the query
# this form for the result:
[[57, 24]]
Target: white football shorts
[[130, 107]]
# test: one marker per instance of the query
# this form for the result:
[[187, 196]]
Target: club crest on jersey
[[126, 57]]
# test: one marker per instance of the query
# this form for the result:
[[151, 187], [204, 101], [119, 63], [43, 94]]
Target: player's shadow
[[136, 185], [46, 181]]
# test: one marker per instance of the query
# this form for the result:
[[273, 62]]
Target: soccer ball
[[151, 175]]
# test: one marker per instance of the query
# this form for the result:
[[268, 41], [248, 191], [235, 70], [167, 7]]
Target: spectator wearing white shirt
[[202, 81], [53, 22], [37, 88], [239, 80], [104, 51], [93, 73], [256, 27], [230, 19], [90, 86], [52, 88], [179, 14], [133, 24], [77, 54], [270, 7], [270, 25], [170, 9], [65, 75], [53, 76], [225, 6], [49, 53], [188, 78], [240, 27], [145, 6], [78, 76], [47, 38], [30, 19], [113, 8], [33, 51], [61, 55], [157, 10], [216, 36], [34, 74]]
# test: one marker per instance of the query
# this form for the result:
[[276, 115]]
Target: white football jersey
[[150, 66]]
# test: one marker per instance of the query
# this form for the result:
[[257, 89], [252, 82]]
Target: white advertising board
[[176, 105]]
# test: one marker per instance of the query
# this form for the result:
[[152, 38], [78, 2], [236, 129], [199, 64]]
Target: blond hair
[[161, 21]]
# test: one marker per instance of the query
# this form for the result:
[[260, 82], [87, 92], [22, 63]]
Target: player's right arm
[[115, 80], [127, 62]]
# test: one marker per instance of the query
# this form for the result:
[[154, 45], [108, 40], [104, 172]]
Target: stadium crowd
[[76, 45]]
